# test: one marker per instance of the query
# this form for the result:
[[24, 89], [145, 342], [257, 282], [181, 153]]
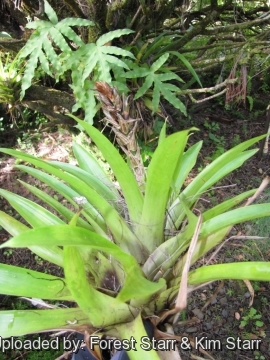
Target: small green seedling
[[252, 318]]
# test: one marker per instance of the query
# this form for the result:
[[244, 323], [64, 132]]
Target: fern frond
[[158, 80], [39, 47]]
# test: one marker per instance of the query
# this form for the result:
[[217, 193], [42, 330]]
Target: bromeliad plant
[[125, 253], [10, 80]]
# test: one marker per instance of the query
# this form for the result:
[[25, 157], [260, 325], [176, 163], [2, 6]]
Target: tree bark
[[74, 7], [9, 45], [54, 104]]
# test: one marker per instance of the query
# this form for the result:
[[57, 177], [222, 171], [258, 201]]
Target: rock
[[208, 326], [223, 300], [197, 312], [192, 329], [224, 313]]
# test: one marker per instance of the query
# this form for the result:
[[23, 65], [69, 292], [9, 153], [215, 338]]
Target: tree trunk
[[54, 104]]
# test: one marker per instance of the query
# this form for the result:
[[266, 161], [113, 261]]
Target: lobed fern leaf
[[50, 13], [39, 48], [106, 38], [96, 61], [29, 72], [159, 80]]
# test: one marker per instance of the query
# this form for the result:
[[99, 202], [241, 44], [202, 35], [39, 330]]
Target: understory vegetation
[[135, 177]]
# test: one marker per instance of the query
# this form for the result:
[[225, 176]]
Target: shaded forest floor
[[214, 312]]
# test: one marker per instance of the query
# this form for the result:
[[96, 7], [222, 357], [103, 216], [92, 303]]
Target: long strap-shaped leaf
[[118, 227], [234, 217], [219, 163], [204, 245], [18, 323], [52, 254], [18, 281], [90, 180], [136, 285], [178, 244], [163, 258], [136, 330], [120, 169], [69, 194], [259, 271], [61, 209], [227, 205], [187, 162], [216, 228], [215, 171], [27, 209], [89, 163], [254, 270], [157, 189]]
